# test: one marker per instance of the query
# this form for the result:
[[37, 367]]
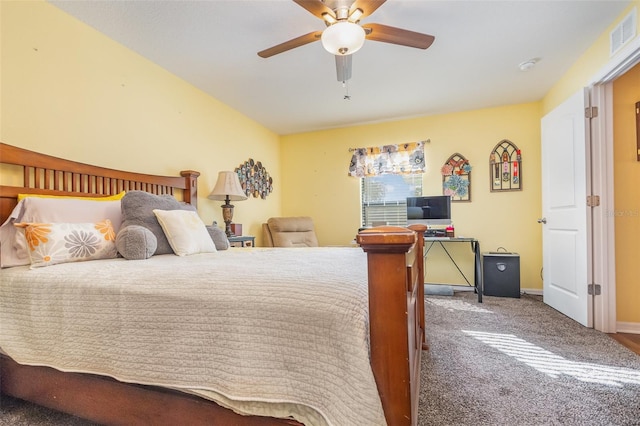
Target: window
[[384, 198]]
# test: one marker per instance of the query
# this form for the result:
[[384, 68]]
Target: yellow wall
[[315, 181], [586, 67], [69, 91], [626, 92]]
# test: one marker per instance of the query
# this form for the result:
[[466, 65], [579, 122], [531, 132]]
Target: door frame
[[602, 166]]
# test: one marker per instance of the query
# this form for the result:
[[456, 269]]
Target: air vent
[[623, 32]]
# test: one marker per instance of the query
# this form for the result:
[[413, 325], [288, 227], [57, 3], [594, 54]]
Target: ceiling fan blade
[[393, 35], [291, 44], [315, 7], [367, 6], [343, 67]]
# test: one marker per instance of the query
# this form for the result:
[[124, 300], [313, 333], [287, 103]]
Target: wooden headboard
[[45, 174]]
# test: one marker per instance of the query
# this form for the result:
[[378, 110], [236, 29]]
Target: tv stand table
[[475, 249]]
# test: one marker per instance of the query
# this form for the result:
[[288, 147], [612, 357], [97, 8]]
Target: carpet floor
[[502, 362], [519, 362]]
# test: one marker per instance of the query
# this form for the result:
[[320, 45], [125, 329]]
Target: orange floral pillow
[[54, 243]]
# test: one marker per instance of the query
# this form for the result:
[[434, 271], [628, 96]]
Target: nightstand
[[242, 241]]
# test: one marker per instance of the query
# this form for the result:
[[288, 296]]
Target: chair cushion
[[292, 231]]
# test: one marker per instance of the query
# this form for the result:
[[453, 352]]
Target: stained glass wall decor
[[505, 162]]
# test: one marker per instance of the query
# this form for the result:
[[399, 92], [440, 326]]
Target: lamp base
[[227, 230], [227, 216]]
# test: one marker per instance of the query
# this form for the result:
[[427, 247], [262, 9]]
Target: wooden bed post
[[191, 187], [396, 315], [420, 230]]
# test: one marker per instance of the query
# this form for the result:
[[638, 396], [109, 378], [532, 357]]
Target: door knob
[[542, 220]]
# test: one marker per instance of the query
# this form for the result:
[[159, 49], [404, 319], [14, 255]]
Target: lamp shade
[[228, 185], [343, 38]]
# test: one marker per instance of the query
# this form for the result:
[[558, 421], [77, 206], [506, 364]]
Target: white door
[[565, 215]]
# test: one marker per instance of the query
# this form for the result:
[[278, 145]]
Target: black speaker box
[[501, 274]]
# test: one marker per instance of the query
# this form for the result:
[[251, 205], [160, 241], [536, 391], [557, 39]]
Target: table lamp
[[227, 188]]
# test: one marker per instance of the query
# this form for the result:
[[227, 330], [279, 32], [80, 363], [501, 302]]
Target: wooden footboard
[[396, 306]]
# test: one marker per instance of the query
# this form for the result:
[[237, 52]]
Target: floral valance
[[401, 159]]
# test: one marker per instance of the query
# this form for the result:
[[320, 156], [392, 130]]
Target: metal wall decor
[[456, 178], [638, 129], [255, 179], [505, 164]]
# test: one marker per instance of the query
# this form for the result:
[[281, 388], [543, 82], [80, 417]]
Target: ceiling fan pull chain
[[347, 96]]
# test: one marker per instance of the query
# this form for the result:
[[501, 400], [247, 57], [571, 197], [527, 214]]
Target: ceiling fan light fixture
[[356, 15], [343, 38], [329, 19]]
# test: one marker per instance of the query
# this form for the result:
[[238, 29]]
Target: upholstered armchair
[[289, 232]]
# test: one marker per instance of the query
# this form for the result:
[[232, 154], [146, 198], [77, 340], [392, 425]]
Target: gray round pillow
[[135, 242]]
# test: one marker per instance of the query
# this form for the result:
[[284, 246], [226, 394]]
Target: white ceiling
[[472, 64]]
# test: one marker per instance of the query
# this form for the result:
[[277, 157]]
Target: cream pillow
[[54, 243], [186, 232]]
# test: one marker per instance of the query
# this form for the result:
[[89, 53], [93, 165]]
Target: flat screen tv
[[429, 210]]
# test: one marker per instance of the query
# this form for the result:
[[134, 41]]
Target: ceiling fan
[[344, 35]]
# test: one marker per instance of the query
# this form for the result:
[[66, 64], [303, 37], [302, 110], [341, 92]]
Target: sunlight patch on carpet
[[457, 305], [554, 365]]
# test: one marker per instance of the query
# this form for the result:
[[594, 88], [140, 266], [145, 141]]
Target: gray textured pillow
[[137, 209], [135, 242], [219, 237]]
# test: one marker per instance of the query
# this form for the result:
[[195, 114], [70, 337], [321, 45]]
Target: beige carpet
[[519, 362]]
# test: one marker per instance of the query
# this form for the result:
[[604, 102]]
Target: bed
[[273, 350]]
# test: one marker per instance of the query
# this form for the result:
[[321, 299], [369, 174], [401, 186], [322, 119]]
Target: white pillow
[[54, 243], [13, 248], [186, 232]]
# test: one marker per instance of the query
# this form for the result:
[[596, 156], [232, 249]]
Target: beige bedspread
[[283, 326]]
